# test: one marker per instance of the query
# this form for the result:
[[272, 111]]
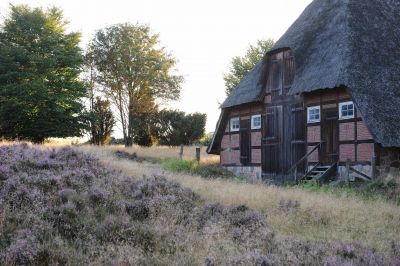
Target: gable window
[[314, 114], [235, 124], [256, 122], [346, 110]]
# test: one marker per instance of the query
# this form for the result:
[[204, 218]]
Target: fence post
[[198, 154], [181, 152], [373, 164], [348, 164]]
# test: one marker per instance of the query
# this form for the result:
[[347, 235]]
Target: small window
[[314, 114], [256, 122], [346, 110], [235, 124]]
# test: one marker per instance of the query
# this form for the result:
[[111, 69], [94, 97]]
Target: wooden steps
[[321, 173]]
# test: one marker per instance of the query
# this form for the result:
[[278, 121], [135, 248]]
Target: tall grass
[[316, 216]]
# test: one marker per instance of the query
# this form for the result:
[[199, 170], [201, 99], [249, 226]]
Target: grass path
[[290, 211]]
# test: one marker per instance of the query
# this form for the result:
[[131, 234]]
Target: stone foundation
[[342, 172], [253, 173]]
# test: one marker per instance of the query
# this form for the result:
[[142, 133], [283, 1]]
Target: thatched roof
[[352, 43]]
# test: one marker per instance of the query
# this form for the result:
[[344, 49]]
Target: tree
[[102, 121], [130, 64], [40, 90], [241, 66], [174, 127]]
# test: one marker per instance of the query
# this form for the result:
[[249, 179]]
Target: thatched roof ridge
[[352, 43]]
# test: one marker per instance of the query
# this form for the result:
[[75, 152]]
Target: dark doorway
[[245, 137], [272, 141], [329, 134]]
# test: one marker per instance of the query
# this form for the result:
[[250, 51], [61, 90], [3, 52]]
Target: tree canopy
[[241, 66], [40, 63], [101, 121], [131, 65], [174, 127]]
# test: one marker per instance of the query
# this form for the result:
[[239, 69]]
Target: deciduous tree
[[131, 63], [40, 64], [174, 127], [241, 66], [102, 121]]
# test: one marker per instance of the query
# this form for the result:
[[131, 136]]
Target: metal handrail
[[304, 157]]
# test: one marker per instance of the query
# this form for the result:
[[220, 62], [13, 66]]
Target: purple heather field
[[63, 207]]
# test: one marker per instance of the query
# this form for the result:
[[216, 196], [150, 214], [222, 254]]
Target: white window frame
[[342, 117], [309, 120], [253, 126], [232, 123]]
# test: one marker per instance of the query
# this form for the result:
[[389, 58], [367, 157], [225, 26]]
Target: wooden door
[[245, 138], [330, 136], [297, 124], [272, 141]]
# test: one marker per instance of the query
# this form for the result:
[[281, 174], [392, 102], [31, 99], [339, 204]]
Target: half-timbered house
[[326, 96]]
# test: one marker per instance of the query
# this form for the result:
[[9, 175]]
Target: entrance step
[[321, 173]]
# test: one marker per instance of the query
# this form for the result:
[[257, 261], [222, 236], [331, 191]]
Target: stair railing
[[294, 168]]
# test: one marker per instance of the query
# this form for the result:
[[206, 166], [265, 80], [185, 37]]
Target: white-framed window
[[314, 114], [255, 121], [235, 124], [346, 110]]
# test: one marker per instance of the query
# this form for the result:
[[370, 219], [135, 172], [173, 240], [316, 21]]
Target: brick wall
[[226, 142], [230, 143], [346, 151], [256, 156], [363, 132], [225, 157], [346, 131], [230, 157], [313, 156], [255, 138], [235, 141], [314, 134], [365, 152]]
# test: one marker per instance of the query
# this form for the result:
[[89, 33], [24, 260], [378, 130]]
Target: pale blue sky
[[202, 35]]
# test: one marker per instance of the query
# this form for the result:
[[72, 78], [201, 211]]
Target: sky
[[203, 35]]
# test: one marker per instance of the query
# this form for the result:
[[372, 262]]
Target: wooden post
[[198, 154], [295, 175], [181, 152], [373, 165], [348, 164]]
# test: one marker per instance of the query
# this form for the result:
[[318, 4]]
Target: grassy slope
[[318, 216]]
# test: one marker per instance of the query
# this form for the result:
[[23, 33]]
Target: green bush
[[203, 170]]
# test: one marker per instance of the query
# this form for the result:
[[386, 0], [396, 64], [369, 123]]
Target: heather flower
[[66, 194], [5, 172]]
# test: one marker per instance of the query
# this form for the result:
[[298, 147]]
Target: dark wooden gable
[[280, 73]]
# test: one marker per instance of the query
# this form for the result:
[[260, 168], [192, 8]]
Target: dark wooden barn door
[[271, 142], [245, 138], [329, 134], [297, 124]]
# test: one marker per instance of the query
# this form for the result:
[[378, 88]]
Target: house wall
[[231, 144], [355, 141]]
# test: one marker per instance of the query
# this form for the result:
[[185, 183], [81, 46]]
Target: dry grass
[[318, 217], [167, 152]]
